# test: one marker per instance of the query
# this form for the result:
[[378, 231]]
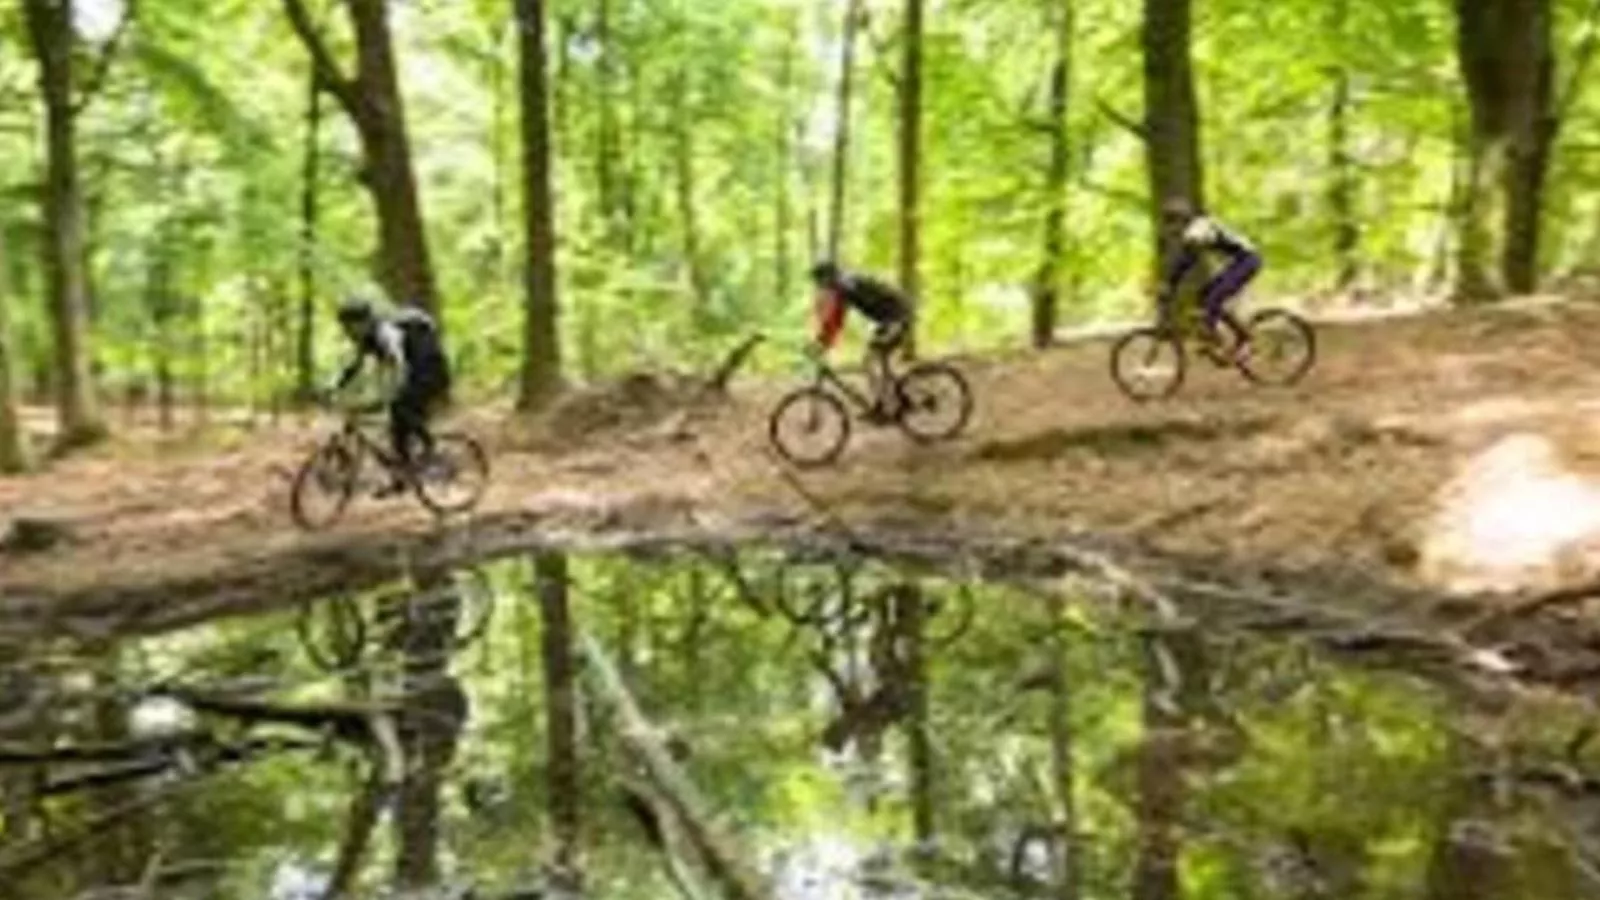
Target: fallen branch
[[717, 383]]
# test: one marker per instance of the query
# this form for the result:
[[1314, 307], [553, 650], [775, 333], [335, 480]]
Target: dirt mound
[[632, 403]]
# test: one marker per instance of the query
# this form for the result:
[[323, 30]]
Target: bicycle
[[334, 633], [842, 596], [921, 395], [1283, 349], [334, 471]]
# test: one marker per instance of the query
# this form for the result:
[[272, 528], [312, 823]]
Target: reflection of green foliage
[[1363, 768]]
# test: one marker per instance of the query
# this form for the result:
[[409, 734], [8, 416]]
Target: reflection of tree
[[430, 725]]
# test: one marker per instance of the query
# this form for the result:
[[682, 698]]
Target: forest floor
[[1440, 454]]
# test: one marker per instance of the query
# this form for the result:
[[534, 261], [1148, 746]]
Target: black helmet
[[825, 272], [356, 309]]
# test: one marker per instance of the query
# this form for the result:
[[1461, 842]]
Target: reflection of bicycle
[[449, 476], [831, 597], [1149, 363], [336, 633], [930, 401]]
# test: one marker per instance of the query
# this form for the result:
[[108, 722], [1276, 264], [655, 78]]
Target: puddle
[[829, 729]]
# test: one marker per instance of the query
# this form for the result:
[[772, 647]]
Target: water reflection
[[762, 724]]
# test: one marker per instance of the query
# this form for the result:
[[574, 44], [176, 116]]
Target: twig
[[1134, 128]]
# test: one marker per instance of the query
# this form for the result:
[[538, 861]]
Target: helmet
[[355, 310], [824, 272]]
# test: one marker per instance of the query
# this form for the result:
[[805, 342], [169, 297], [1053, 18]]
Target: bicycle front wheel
[[935, 402], [323, 486], [1283, 348], [452, 477], [1147, 364], [809, 427]]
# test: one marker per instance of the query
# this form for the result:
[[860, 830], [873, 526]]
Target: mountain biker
[[890, 311], [406, 341], [1197, 235]]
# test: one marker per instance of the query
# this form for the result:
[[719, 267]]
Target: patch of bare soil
[[1443, 453]]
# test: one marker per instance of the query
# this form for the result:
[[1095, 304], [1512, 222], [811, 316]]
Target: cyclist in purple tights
[[1198, 235]]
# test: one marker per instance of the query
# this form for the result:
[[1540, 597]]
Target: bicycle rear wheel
[[935, 402], [323, 486], [809, 427], [1283, 348], [451, 477], [1148, 364]]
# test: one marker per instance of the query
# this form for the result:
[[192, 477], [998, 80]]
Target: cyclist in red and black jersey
[[889, 310]]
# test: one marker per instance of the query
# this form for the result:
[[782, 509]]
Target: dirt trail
[[1444, 453]]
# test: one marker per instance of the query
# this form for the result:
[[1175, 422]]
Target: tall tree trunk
[[910, 157], [841, 137], [541, 351], [1342, 186], [1047, 283], [13, 445], [1529, 68], [561, 706], [1171, 117], [1065, 855], [306, 332], [372, 99], [50, 30], [1504, 52]]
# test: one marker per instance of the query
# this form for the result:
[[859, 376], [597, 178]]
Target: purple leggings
[[1226, 285]]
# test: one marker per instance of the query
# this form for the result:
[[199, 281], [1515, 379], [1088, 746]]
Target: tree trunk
[[919, 743], [306, 333], [561, 705], [13, 443], [1342, 187], [372, 99], [1064, 856], [541, 362], [50, 30], [1529, 68], [1047, 284], [910, 160], [1171, 118], [1504, 52], [841, 137]]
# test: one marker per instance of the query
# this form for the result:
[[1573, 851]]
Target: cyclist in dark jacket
[[406, 341]]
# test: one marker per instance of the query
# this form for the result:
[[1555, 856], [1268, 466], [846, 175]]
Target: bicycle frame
[[827, 375]]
